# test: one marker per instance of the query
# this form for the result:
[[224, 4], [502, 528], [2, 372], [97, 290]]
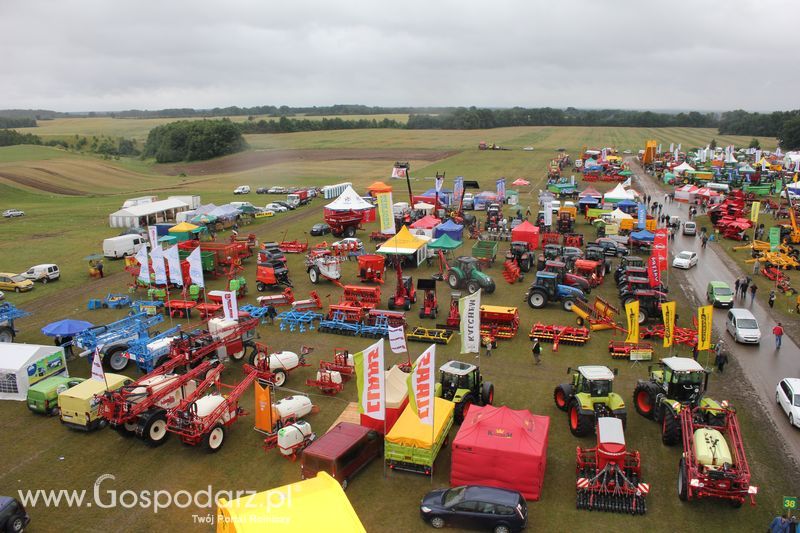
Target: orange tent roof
[[379, 186]]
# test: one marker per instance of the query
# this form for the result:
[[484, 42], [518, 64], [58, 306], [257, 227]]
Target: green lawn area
[[40, 453]]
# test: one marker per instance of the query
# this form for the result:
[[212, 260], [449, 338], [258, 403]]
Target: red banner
[[653, 273], [660, 248]]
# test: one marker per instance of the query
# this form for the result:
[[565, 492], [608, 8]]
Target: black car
[[611, 248], [286, 205], [320, 229], [475, 507], [13, 517], [262, 190]]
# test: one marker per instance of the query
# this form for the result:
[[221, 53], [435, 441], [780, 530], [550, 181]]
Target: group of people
[[785, 523], [741, 287]]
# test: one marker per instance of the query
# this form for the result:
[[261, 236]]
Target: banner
[[671, 147], [501, 190], [704, 315], [398, 172], [774, 238], [653, 272], [755, 207], [548, 213], [160, 271], [196, 267], [144, 270], [263, 400], [97, 366], [152, 234], [439, 182], [397, 339], [174, 265], [421, 385], [371, 381], [632, 316], [660, 248], [469, 307], [668, 314], [458, 190], [385, 214], [641, 216]]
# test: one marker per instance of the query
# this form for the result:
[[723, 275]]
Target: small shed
[[23, 365], [455, 231], [526, 232]]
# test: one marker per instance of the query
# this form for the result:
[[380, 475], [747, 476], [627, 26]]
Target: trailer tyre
[[350, 231], [561, 396], [115, 359], [313, 275], [670, 428], [683, 481], [6, 335], [238, 356], [280, 377], [154, 430], [537, 299], [214, 439], [261, 287]]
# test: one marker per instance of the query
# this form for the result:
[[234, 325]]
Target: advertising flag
[[671, 147], [660, 248], [679, 147], [641, 216], [385, 215], [397, 339], [421, 383], [174, 265], [548, 213], [632, 316], [371, 381], [398, 172], [501, 190], [159, 270], [152, 234], [469, 307], [653, 271], [97, 366], [755, 208], [458, 189], [668, 314], [144, 270], [774, 238], [196, 267], [439, 183], [704, 315]]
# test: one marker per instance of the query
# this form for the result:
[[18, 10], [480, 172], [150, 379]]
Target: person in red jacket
[[778, 332]]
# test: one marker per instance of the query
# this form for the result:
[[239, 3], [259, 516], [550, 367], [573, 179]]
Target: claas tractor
[[462, 384], [430, 305], [466, 274], [589, 396], [521, 253], [677, 383], [546, 288]]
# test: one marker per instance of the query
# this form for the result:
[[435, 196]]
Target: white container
[[292, 436], [283, 360], [221, 328], [206, 404], [336, 377], [292, 406]]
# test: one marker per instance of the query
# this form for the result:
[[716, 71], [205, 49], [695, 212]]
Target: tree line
[[193, 140], [17, 122], [291, 125]]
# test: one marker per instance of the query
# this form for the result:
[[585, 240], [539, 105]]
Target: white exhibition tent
[[147, 214], [23, 365], [349, 200], [619, 193], [683, 167], [618, 214]]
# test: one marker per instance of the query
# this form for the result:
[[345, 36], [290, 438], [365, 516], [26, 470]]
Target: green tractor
[[677, 383], [462, 384], [466, 274], [588, 397]]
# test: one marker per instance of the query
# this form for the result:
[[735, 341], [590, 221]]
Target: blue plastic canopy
[[66, 327], [643, 235]]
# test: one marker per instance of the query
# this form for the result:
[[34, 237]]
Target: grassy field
[[42, 454]]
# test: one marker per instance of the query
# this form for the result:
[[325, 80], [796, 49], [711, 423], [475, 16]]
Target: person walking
[[695, 352], [721, 359], [99, 267], [778, 332], [771, 300], [756, 267], [704, 241], [743, 286], [536, 349], [753, 289], [488, 347]]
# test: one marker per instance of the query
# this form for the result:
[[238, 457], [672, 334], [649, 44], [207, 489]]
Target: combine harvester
[[609, 478]]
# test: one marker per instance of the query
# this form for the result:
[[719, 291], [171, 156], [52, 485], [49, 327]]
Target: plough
[[433, 335], [511, 271], [622, 350], [559, 334], [299, 320]]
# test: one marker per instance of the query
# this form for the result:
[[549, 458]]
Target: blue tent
[[591, 200], [643, 235], [627, 203], [449, 228]]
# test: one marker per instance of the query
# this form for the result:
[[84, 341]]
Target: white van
[[115, 247], [743, 326], [242, 189], [43, 273]]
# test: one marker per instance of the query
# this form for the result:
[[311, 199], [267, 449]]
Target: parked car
[[743, 326], [13, 517], [349, 241], [43, 396], [13, 213], [43, 273], [690, 228], [242, 189], [685, 260], [475, 507], [787, 394], [277, 190], [275, 207], [719, 294], [342, 452], [287, 205], [14, 282], [611, 247], [320, 229], [262, 190], [469, 201]]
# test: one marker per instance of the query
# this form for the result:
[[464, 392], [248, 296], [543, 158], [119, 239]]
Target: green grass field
[[39, 453]]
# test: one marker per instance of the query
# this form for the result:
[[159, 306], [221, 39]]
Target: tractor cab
[[548, 281], [467, 264], [629, 261], [594, 253], [683, 379], [462, 383], [595, 380], [589, 397], [552, 251]]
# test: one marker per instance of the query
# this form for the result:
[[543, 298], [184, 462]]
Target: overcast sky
[[683, 54]]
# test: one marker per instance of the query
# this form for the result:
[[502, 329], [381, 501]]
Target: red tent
[[426, 222], [526, 232], [501, 447]]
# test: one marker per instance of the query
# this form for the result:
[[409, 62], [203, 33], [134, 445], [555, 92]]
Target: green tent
[[626, 173], [445, 242]]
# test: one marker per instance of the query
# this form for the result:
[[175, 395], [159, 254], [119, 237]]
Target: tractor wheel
[[422, 313], [642, 317], [473, 286], [238, 356], [463, 406], [6, 334], [670, 428], [313, 275], [280, 377], [124, 430], [537, 299], [453, 280], [154, 431], [580, 425], [434, 312], [487, 393], [261, 287], [579, 321], [644, 399], [390, 303], [562, 396], [736, 503], [115, 359], [683, 481], [568, 304], [350, 231], [489, 289], [407, 304], [214, 439]]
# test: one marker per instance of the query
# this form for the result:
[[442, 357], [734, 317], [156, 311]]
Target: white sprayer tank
[[283, 360], [336, 377], [292, 406], [207, 404], [293, 435]]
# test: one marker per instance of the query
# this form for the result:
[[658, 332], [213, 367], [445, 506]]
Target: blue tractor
[[547, 289]]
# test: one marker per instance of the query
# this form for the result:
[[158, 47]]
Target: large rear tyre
[[568, 304], [487, 393], [537, 299], [644, 399], [313, 275], [153, 427], [562, 395], [115, 359], [280, 377], [453, 280], [580, 425], [463, 406], [6, 335], [214, 439], [670, 428]]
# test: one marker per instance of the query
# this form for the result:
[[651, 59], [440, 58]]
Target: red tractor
[[405, 293], [430, 304]]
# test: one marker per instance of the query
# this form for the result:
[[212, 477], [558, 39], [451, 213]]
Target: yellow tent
[[316, 504], [404, 243], [183, 227], [409, 431]]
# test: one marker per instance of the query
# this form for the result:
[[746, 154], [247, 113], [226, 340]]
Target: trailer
[[413, 446], [499, 322], [112, 340], [149, 353], [344, 223], [485, 251], [322, 264], [9, 313]]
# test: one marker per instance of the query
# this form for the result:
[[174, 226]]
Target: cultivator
[[622, 350], [499, 322], [284, 298], [559, 334], [298, 320], [511, 271], [609, 476], [341, 322], [685, 336], [430, 335]]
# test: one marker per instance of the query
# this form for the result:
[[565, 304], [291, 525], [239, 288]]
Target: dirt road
[[763, 365]]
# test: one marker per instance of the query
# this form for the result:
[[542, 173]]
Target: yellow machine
[[78, 405], [649, 156]]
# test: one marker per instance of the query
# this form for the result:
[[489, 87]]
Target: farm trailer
[[113, 340], [414, 446]]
